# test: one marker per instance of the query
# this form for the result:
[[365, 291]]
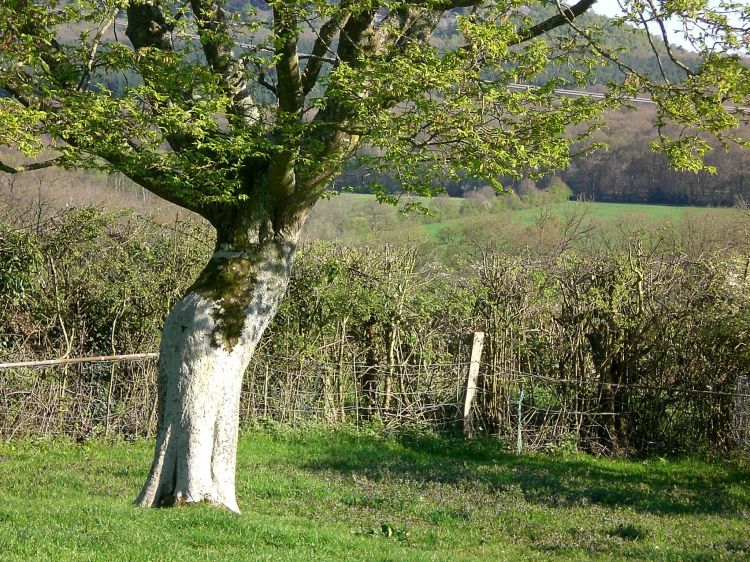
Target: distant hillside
[[629, 171], [630, 45]]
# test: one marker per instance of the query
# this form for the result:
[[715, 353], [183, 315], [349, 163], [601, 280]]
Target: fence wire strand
[[116, 396]]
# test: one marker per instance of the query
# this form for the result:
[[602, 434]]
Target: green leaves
[[386, 531], [685, 154], [424, 95], [20, 127], [20, 260]]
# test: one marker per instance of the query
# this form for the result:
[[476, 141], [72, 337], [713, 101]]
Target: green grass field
[[603, 213], [318, 495], [359, 218]]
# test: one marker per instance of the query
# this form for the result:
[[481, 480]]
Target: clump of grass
[[629, 532]]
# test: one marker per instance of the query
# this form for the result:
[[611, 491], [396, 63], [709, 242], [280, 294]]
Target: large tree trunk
[[208, 340]]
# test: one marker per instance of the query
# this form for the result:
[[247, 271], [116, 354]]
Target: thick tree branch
[[361, 34], [147, 26], [30, 167], [356, 36], [566, 15], [215, 40], [289, 81], [152, 179], [280, 177], [414, 25], [322, 45], [151, 182]]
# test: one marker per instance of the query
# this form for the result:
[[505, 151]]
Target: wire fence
[[115, 396]]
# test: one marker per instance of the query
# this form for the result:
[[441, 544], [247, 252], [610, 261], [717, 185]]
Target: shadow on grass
[[654, 486]]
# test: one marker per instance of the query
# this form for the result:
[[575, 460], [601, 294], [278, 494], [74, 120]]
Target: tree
[[245, 114]]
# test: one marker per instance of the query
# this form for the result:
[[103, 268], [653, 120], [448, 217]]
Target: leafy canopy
[[218, 105]]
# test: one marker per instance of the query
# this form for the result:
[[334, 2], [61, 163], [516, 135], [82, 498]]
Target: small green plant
[[389, 532], [565, 446]]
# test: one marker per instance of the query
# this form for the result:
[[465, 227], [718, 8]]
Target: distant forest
[[628, 171]]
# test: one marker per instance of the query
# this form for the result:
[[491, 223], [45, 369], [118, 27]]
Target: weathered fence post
[[110, 392], [265, 392], [471, 382], [519, 435], [742, 413]]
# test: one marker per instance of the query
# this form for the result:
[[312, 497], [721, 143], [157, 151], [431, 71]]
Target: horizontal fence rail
[[78, 360]]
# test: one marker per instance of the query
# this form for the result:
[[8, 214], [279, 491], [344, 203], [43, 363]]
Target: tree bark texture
[[208, 340]]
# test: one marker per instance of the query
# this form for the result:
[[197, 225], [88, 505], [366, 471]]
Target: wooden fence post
[[471, 382], [519, 435], [741, 413]]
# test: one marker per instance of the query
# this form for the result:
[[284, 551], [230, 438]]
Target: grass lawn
[[613, 211], [603, 213], [317, 495], [361, 219]]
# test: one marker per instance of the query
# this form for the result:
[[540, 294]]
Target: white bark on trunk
[[204, 353]]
